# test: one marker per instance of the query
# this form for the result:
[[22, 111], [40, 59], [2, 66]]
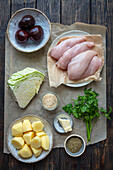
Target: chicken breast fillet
[[94, 65], [79, 64], [72, 52], [59, 49]]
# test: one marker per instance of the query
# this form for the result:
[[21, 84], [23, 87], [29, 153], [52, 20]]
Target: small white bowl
[[40, 19], [51, 109], [80, 152], [58, 126]]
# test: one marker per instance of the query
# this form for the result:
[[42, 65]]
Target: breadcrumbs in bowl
[[49, 101]]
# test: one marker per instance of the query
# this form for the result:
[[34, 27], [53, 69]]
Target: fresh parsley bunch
[[86, 108]]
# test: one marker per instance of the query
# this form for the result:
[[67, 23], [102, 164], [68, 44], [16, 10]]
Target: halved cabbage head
[[25, 84]]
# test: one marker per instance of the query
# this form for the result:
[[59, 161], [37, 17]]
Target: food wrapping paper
[[58, 76], [15, 61]]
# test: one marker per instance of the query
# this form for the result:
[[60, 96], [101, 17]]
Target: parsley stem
[[90, 127], [94, 122], [88, 131], [86, 108]]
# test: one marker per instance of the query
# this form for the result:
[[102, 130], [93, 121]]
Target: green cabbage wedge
[[25, 84]]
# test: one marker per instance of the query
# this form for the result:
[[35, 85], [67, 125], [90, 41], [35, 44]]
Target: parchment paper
[[15, 61], [58, 76]]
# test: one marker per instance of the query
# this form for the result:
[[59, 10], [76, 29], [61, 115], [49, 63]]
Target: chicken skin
[[65, 45], [79, 64], [63, 62], [94, 65]]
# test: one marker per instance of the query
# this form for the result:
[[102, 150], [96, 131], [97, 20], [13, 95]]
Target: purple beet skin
[[36, 33], [21, 36], [27, 22]]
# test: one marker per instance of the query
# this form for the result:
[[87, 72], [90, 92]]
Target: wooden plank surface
[[100, 155], [101, 13], [4, 17], [72, 11], [51, 8]]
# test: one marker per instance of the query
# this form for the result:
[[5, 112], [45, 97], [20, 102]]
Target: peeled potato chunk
[[37, 151], [25, 152], [37, 126], [17, 142], [28, 136], [17, 129], [45, 142], [41, 133], [27, 126], [36, 142]]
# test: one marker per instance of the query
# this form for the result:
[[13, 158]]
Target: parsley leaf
[[86, 108]]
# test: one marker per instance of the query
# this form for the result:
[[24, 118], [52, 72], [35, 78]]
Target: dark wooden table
[[100, 155]]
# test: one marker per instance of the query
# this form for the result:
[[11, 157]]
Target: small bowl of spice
[[49, 101], [74, 145]]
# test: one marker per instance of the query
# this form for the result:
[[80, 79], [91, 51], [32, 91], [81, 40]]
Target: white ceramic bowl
[[40, 19], [80, 152], [14, 151], [46, 107]]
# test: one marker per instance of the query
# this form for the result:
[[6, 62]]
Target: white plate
[[40, 19], [14, 151], [57, 125], [68, 34]]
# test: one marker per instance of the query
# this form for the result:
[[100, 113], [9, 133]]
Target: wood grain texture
[[101, 13], [79, 163], [19, 4], [73, 11], [4, 17], [50, 162], [30, 3], [109, 142], [16, 5], [51, 8], [100, 155]]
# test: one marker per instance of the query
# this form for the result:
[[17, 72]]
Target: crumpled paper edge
[[63, 77]]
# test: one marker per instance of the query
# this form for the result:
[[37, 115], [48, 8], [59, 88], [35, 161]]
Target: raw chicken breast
[[93, 67], [79, 64], [59, 49], [72, 52]]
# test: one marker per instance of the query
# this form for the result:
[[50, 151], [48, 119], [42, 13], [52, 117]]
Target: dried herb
[[74, 144]]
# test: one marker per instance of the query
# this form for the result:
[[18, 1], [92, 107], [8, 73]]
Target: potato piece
[[37, 151], [36, 142], [45, 142], [41, 133], [17, 142], [27, 126], [37, 126], [17, 129], [25, 152], [28, 136]]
